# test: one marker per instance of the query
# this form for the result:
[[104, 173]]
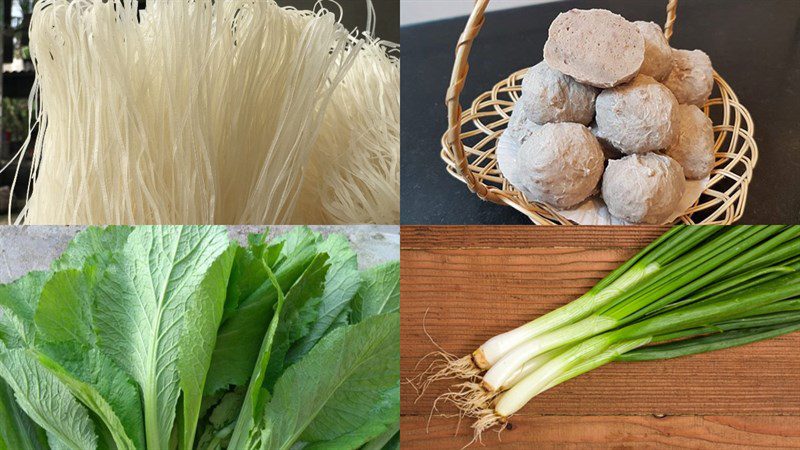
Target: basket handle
[[459, 76], [672, 9]]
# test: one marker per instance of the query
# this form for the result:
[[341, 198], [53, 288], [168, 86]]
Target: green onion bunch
[[693, 290]]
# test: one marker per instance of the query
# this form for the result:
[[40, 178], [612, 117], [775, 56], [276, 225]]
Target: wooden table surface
[[475, 282]]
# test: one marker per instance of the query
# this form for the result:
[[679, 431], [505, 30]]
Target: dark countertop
[[754, 45], [387, 14]]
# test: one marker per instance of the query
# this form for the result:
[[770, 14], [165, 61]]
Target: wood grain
[[469, 283], [638, 432]]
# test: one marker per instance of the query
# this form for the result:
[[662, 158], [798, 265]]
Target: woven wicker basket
[[470, 142]]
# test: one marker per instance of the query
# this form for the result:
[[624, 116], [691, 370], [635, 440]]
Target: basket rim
[[736, 125]]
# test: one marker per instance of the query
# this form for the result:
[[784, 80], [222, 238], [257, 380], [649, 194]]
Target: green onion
[[711, 261], [694, 290], [641, 269], [690, 316], [711, 342]]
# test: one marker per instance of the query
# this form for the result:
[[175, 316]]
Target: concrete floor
[[27, 248]]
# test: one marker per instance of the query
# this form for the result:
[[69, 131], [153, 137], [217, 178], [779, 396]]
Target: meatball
[[520, 126], [550, 96], [643, 188], [657, 52], [596, 47], [560, 164], [637, 117], [693, 147], [692, 77]]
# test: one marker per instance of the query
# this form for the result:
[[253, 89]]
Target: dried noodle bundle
[[355, 170], [190, 111]]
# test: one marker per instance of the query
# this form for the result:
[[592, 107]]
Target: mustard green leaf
[[102, 387], [341, 283], [297, 315], [247, 273], [247, 414], [94, 245], [201, 321], [18, 302], [379, 292], [17, 430], [389, 440], [383, 418], [333, 390], [242, 331], [64, 309], [46, 400], [141, 308]]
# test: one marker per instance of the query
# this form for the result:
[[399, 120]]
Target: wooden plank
[[466, 291], [595, 432]]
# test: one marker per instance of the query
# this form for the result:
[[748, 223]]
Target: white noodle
[[194, 111], [354, 175]]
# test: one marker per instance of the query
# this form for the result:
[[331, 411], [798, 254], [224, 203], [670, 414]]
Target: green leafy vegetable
[[141, 308], [203, 313], [379, 292], [240, 335], [17, 430], [177, 338], [64, 309], [337, 387], [93, 245], [254, 397], [389, 440], [18, 300], [46, 400], [105, 389], [297, 316], [341, 283]]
